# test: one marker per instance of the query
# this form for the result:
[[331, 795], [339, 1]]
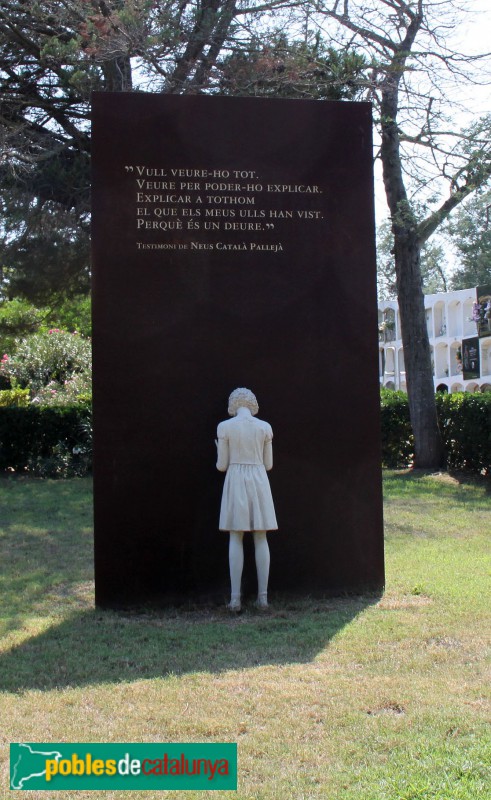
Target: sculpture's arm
[[268, 454], [222, 454]]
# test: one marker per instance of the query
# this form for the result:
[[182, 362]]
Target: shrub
[[465, 423], [73, 314], [397, 436], [47, 442], [14, 397], [55, 366]]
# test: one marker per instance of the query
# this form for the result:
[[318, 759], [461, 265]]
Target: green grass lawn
[[340, 699]]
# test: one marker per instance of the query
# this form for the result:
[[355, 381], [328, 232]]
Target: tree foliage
[[45, 247], [435, 270], [301, 69], [470, 231], [52, 55], [18, 319]]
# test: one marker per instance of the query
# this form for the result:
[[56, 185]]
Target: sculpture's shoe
[[234, 605]]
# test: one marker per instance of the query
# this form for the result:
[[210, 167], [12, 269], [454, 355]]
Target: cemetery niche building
[[459, 330]]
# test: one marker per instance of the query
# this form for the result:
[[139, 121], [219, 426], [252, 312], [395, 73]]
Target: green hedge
[[465, 423], [397, 436], [57, 441], [46, 441]]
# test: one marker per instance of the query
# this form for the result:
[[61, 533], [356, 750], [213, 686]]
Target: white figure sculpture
[[245, 452]]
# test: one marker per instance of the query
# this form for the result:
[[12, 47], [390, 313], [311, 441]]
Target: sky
[[473, 37]]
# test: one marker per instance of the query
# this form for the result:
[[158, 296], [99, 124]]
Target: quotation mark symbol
[[129, 169], [269, 225]]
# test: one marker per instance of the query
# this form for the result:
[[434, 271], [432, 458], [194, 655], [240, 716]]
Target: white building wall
[[449, 320]]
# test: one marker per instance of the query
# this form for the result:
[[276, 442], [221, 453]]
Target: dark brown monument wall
[[233, 245]]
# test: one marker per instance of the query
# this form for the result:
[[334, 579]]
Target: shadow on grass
[[46, 550], [99, 647]]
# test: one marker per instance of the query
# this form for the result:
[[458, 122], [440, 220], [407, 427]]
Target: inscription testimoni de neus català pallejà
[[219, 209]]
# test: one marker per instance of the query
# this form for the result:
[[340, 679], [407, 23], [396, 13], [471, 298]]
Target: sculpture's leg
[[262, 566], [236, 562]]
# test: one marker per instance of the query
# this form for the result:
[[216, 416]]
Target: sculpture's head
[[242, 398]]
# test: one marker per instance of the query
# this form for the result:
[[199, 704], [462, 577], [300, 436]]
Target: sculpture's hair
[[242, 397]]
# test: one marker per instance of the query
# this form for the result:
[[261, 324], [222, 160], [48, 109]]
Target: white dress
[[245, 452]]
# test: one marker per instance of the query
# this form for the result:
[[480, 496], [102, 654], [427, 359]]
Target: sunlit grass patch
[[357, 698]]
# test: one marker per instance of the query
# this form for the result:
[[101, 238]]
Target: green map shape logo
[[29, 764]]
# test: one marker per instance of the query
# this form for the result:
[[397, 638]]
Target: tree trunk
[[117, 74], [201, 36], [428, 444], [417, 356]]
